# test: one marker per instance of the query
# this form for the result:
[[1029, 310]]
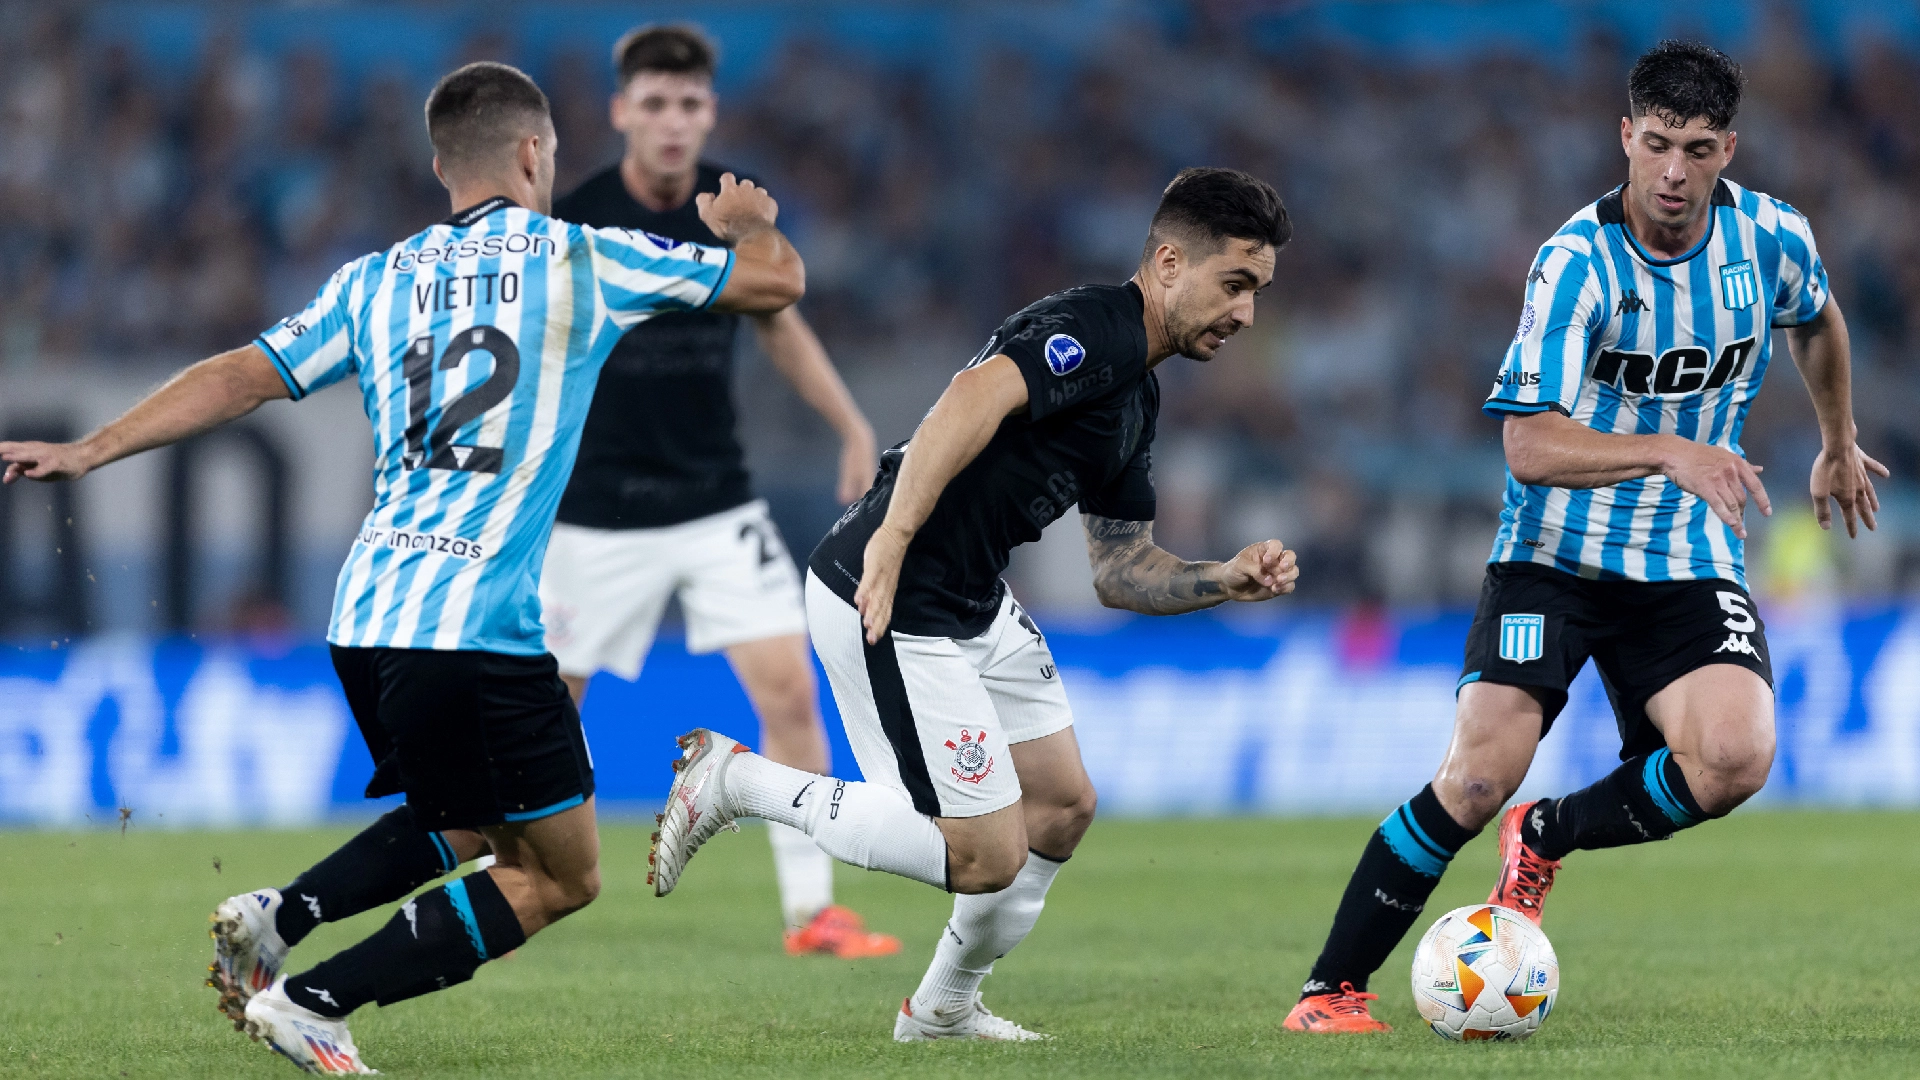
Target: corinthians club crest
[[970, 761]]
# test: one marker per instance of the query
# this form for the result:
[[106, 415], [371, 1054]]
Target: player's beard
[[1189, 337]]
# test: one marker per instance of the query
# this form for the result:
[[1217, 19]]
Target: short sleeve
[[1130, 496], [1802, 292], [642, 275], [314, 349], [1070, 354], [1565, 307]]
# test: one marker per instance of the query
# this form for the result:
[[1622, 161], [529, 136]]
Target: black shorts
[[1536, 627], [473, 738]]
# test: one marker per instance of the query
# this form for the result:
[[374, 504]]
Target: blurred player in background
[[950, 695], [659, 504], [476, 344], [1646, 331]]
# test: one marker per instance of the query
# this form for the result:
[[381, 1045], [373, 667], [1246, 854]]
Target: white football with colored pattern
[[1484, 972]]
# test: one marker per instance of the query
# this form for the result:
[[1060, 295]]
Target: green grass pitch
[[1771, 944]]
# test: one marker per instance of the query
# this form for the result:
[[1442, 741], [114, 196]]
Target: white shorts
[[932, 717], [603, 591]]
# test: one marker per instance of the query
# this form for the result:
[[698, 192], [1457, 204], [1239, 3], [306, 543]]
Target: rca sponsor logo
[[406, 540]]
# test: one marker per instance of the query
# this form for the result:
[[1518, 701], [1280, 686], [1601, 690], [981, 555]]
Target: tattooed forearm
[[1130, 572]]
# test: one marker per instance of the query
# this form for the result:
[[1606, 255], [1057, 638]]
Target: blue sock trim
[[447, 860], [463, 907], [1412, 844], [1471, 676], [1654, 777], [545, 811]]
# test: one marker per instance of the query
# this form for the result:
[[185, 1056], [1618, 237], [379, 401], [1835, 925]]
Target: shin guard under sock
[[434, 941], [387, 860], [865, 824], [984, 928], [1645, 799], [1398, 870]]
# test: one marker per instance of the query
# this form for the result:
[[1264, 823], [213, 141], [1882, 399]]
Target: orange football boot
[[840, 932], [1525, 877], [1345, 1011]]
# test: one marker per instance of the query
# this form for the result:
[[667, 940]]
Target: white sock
[[867, 825], [984, 928], [804, 871]]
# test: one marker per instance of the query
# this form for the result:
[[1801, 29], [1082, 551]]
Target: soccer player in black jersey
[[949, 693], [659, 502]]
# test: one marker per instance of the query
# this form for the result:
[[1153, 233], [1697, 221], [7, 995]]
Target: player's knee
[[1731, 778], [984, 870], [571, 892], [785, 698], [1475, 799], [1075, 814]]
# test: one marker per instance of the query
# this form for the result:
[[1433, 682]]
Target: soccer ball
[[1484, 972]]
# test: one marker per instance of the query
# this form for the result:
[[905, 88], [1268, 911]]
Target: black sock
[[434, 941], [1402, 863], [389, 859], [1646, 798]]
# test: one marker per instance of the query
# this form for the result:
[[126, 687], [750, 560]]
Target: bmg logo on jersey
[[1064, 354], [1739, 287], [1521, 637]]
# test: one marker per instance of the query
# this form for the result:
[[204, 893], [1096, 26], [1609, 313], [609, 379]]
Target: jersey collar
[[1612, 211], [479, 210]]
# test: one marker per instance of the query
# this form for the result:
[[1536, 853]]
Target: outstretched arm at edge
[[1131, 572], [1823, 353], [960, 425], [204, 396], [794, 350]]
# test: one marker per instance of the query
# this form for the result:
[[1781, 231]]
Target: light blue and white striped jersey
[[1633, 345], [477, 344]]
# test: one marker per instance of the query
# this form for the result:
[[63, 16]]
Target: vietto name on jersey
[[476, 344], [1632, 345]]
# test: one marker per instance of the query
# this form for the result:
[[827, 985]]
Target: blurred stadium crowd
[[148, 218]]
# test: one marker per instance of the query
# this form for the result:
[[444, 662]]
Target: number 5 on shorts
[[1740, 618]]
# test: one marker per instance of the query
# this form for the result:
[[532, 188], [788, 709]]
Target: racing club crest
[[971, 764]]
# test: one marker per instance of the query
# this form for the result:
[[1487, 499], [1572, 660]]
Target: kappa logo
[[1738, 643], [971, 763], [1521, 637], [1064, 354], [1394, 902], [1630, 303], [1539, 274]]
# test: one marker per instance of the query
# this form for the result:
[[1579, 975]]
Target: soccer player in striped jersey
[[1645, 332], [476, 344]]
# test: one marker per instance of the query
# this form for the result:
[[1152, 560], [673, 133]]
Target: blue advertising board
[[1206, 714]]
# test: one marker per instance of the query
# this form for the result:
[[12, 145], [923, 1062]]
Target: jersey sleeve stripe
[[280, 366], [726, 275]]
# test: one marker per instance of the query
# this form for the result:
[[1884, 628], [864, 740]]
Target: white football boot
[[318, 1044], [247, 950], [969, 1021], [696, 806]]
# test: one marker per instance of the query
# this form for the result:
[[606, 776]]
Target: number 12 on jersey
[[436, 449]]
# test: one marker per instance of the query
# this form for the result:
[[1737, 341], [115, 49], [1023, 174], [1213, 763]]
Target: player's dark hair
[[1679, 80], [1208, 207], [479, 111], [674, 48]]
